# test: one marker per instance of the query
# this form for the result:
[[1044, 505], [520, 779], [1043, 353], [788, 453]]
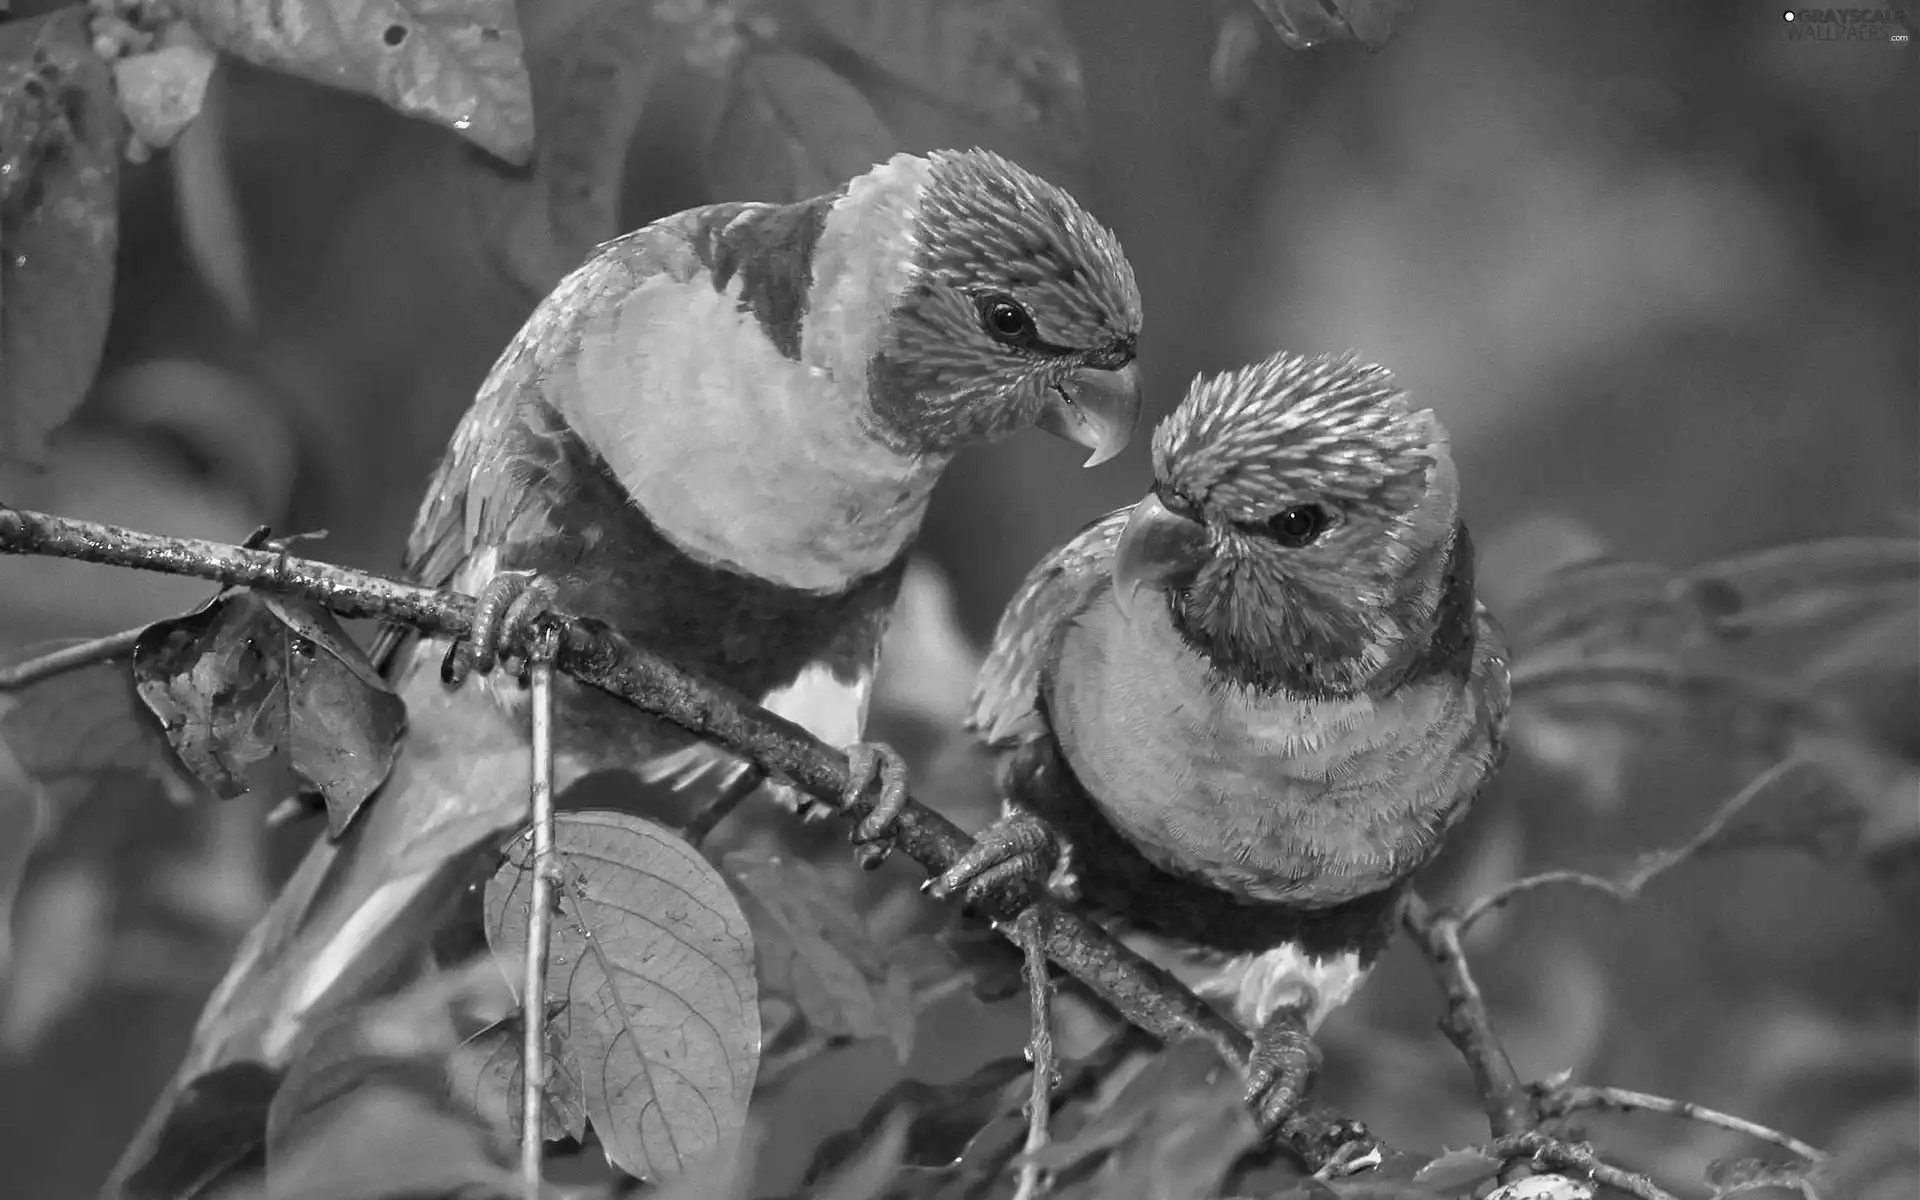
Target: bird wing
[[488, 482], [1004, 709]]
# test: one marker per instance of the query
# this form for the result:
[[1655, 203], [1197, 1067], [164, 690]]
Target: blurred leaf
[[814, 949], [1823, 586], [208, 207], [791, 129], [1817, 584], [161, 90], [62, 937], [385, 1141], [656, 962], [485, 1073], [60, 133], [1175, 1129], [1235, 47], [1008, 62], [593, 63], [871, 1172], [58, 738], [1457, 1171], [254, 690], [939, 1122], [1304, 24], [213, 1124], [454, 62], [1543, 1187]]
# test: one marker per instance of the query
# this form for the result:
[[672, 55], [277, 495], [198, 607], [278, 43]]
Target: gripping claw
[[506, 621], [873, 836], [1282, 1063], [1016, 852]]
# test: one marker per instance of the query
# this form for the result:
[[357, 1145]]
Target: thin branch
[[1628, 886], [721, 806], [1545, 1150], [1039, 1046], [1467, 1023], [1139, 991], [1562, 1100], [533, 997], [15, 676]]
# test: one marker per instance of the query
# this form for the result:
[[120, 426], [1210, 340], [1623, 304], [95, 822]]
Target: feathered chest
[[1267, 797]]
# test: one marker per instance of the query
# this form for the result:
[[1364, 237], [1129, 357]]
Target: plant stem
[[1467, 1023], [1565, 1099], [1039, 1046], [29, 671], [533, 997]]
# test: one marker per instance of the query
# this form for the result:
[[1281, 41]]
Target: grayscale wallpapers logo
[[1847, 25]]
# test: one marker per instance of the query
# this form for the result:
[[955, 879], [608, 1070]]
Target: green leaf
[[1175, 1129], [1008, 62], [453, 62], [485, 1074], [791, 129], [814, 949], [592, 63], [60, 134], [1457, 1171], [388, 1140], [256, 691], [654, 961], [1304, 24]]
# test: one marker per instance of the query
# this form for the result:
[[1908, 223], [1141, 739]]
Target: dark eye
[[1005, 320], [1299, 525]]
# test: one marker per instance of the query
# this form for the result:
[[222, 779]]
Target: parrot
[[1236, 717], [717, 438]]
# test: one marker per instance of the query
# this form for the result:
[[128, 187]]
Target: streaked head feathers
[[1296, 428]]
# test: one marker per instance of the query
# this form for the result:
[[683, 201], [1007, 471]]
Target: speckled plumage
[[1240, 817], [718, 436]]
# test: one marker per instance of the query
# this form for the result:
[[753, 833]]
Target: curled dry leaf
[[1008, 62], [1304, 24], [790, 129], [257, 691], [453, 62], [485, 1074], [654, 960], [814, 949], [60, 135]]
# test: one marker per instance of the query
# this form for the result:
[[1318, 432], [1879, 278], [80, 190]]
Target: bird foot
[[512, 607], [1011, 855], [1282, 1063], [872, 837]]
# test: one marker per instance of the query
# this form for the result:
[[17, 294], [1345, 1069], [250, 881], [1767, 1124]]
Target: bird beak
[[1157, 548], [1096, 407]]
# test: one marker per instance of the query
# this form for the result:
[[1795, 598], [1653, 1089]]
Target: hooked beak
[[1096, 407], [1158, 549]]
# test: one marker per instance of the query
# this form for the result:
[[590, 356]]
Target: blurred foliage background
[[1653, 264]]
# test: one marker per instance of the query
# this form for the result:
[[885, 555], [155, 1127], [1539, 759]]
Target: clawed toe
[[873, 835], [1013, 854], [506, 618], [1282, 1064]]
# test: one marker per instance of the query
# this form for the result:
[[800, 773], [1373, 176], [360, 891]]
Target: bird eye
[[1300, 525], [1006, 320]]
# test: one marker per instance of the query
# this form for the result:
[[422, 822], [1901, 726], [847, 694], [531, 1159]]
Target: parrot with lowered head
[[1240, 715], [717, 437]]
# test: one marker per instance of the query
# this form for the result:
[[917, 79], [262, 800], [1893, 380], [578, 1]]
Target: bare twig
[[15, 676], [1545, 1150], [717, 809], [1628, 886], [1561, 1100], [1039, 1047], [1139, 991], [533, 998], [1467, 1024]]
